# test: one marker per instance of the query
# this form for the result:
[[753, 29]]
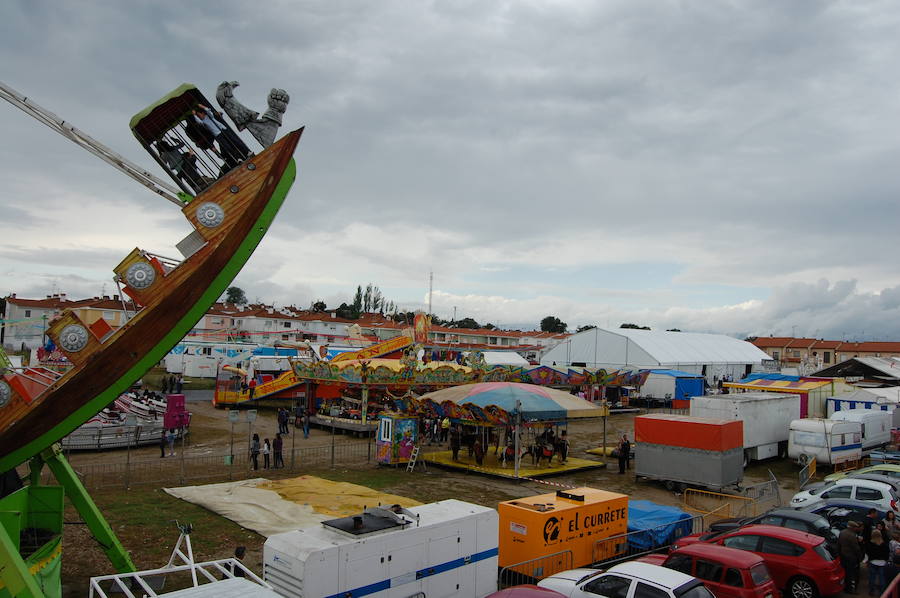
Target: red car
[[727, 572], [800, 563]]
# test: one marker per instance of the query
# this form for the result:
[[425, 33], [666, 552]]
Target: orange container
[[539, 526], [689, 432]]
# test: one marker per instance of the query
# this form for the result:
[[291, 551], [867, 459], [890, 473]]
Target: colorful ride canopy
[[531, 401]]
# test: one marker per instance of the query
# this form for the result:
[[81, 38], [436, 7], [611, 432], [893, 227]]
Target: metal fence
[[623, 547], [532, 570], [185, 467]]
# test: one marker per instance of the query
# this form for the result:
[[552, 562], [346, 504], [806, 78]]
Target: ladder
[[413, 458]]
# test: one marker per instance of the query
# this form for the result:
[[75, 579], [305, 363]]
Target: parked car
[[804, 521], [877, 477], [526, 591], [889, 469], [839, 511], [882, 495], [800, 563], [627, 580], [727, 572]]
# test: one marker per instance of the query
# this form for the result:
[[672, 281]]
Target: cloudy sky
[[730, 167]]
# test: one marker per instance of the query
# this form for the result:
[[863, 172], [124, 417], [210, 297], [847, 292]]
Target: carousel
[[507, 429]]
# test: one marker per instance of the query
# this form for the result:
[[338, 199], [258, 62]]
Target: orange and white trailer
[[552, 524]]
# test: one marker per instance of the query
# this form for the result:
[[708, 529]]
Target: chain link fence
[[187, 468]]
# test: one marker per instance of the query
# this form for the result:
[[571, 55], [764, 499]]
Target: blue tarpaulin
[[660, 525]]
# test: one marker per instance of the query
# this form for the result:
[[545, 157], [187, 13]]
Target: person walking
[[445, 428], [162, 444], [179, 384], [254, 452], [278, 450], [877, 552], [624, 451], [455, 442], [851, 555], [266, 450], [306, 423], [170, 439]]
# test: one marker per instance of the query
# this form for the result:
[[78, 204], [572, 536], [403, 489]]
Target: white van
[[876, 426], [829, 441]]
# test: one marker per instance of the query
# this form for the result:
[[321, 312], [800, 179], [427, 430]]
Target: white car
[[628, 580], [882, 495]]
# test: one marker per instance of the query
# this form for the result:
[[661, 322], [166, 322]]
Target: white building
[[713, 356]]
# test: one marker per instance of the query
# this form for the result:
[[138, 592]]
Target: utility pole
[[430, 289]]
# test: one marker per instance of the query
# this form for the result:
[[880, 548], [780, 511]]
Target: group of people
[[172, 384], [273, 453], [873, 541], [205, 128]]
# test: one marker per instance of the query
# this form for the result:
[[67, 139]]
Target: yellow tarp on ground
[[271, 507], [335, 499]]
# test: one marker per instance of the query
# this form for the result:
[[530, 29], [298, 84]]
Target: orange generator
[[571, 520]]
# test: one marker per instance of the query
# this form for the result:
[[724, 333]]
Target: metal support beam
[[14, 572], [88, 510]]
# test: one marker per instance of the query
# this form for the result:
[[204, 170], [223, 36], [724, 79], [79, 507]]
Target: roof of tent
[[676, 373], [626, 346], [504, 358]]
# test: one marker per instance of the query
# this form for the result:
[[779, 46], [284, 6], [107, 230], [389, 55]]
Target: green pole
[[14, 572], [88, 510]]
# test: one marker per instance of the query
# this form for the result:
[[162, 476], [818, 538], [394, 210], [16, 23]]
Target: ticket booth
[[397, 435], [571, 520]]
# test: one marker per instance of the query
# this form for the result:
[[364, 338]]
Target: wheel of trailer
[[803, 459], [670, 485], [802, 587], [782, 449], [746, 458], [680, 487]]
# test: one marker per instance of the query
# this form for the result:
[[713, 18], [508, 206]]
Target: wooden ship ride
[[230, 198]]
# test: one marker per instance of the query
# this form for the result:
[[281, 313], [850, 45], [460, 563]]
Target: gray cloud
[[745, 146]]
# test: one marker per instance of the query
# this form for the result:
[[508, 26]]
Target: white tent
[[504, 358], [710, 355]]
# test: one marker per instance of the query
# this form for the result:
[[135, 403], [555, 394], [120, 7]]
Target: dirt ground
[[143, 517]]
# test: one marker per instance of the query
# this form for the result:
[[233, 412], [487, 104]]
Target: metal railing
[[765, 495], [808, 473], [534, 569], [627, 546], [717, 504]]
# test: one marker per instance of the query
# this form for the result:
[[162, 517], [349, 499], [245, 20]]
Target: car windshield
[[712, 536], [759, 574], [823, 488], [821, 525], [588, 576], [693, 589], [823, 551]]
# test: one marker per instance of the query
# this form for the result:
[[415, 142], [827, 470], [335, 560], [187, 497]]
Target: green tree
[[235, 295], [358, 300], [468, 323], [553, 324], [319, 306], [585, 327], [673, 330], [634, 326], [348, 312]]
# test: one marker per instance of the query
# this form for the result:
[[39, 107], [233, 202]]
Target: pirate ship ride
[[229, 217]]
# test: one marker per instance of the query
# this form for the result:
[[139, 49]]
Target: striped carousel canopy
[[532, 401]]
